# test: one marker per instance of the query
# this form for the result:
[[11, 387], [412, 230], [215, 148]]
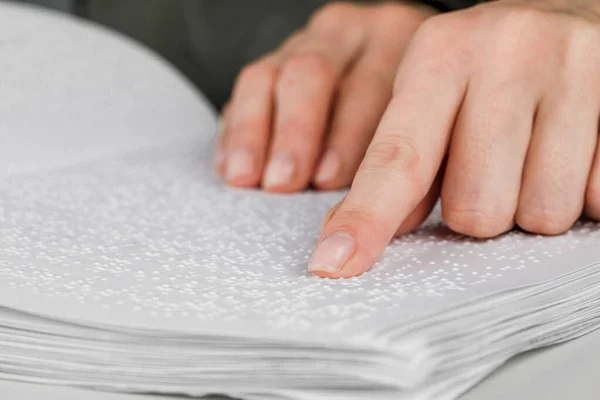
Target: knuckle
[[259, 71], [395, 152], [524, 20], [331, 15], [544, 220], [476, 222], [396, 160], [585, 39], [523, 33], [392, 17], [313, 63], [387, 12], [433, 52], [301, 68], [391, 10], [437, 32], [581, 60]]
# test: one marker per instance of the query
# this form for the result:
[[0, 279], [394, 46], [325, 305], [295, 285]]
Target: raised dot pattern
[[155, 237]]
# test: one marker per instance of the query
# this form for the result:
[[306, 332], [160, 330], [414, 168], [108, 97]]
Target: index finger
[[398, 169]]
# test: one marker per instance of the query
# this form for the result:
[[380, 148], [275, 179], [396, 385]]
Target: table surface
[[567, 371]]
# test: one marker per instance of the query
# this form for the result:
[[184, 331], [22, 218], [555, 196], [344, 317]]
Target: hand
[[496, 110], [307, 112]]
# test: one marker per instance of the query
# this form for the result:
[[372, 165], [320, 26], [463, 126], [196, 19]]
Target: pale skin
[[494, 110]]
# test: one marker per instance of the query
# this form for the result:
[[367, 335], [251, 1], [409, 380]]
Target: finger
[[559, 160], [219, 159], [249, 123], [592, 195], [363, 96], [481, 186], [360, 104], [304, 95], [399, 167]]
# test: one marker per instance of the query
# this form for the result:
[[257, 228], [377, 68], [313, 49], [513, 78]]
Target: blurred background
[[208, 40]]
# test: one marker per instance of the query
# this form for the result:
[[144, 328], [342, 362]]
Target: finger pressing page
[[249, 120], [304, 95], [398, 170]]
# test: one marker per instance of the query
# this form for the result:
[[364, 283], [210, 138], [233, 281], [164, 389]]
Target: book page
[[72, 92], [154, 240], [111, 214]]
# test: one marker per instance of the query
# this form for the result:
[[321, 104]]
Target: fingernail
[[332, 253], [329, 167], [280, 170], [239, 164]]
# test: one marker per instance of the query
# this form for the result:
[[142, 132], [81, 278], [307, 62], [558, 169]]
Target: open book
[[126, 265]]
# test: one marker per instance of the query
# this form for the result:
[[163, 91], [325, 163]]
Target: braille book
[[127, 265]]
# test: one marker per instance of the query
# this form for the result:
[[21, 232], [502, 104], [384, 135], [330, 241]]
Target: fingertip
[[286, 172], [280, 172], [242, 182], [332, 176], [332, 255], [240, 169], [329, 168], [339, 183], [350, 244], [345, 274]]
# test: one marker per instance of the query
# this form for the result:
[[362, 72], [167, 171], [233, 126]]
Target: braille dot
[[146, 234]]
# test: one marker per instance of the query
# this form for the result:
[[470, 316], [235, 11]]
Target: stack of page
[[126, 265]]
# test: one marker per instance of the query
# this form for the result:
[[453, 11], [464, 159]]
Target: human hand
[[307, 112], [495, 110]]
